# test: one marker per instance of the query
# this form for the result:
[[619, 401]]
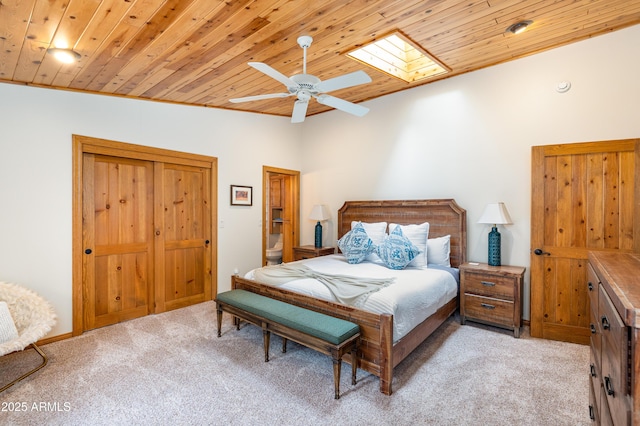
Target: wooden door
[[288, 209], [118, 239], [143, 240], [288, 221], [584, 198], [183, 230]]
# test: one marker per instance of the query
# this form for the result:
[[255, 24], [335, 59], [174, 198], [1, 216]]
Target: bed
[[379, 354]]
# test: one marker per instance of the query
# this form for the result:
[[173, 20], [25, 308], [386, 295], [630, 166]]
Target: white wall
[[470, 137], [36, 175], [467, 138]]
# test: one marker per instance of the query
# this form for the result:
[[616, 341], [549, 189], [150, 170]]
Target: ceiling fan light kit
[[306, 86]]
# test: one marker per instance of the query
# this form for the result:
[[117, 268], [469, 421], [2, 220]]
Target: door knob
[[88, 251], [539, 252]]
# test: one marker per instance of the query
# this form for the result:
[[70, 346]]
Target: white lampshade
[[494, 214], [319, 213]]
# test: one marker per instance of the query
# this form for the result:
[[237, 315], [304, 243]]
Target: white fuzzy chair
[[33, 318]]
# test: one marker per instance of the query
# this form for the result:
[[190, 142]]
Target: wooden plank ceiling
[[196, 51]]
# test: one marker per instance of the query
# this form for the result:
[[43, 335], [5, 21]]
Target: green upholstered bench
[[326, 334]]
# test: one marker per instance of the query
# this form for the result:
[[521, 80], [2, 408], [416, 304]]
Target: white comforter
[[415, 295]]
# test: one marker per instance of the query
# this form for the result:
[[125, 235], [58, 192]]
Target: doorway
[[584, 198], [143, 241], [280, 210]]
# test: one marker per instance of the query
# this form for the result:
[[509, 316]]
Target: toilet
[[274, 254]]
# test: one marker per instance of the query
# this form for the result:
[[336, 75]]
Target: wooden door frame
[[295, 189], [88, 145], [537, 210]]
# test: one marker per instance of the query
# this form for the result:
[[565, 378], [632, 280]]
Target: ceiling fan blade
[[260, 97], [344, 81], [299, 111], [273, 73], [342, 105]]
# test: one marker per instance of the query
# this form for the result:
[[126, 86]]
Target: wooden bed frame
[[378, 355]]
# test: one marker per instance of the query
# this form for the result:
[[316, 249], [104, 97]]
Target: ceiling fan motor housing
[[305, 81]]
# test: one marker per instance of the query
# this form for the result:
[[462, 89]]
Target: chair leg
[[44, 362]]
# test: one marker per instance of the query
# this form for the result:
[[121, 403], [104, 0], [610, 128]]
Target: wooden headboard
[[445, 217]]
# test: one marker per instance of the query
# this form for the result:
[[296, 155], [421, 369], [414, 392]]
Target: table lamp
[[495, 214], [319, 213]]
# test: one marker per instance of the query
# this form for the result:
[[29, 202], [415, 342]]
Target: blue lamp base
[[494, 247], [318, 241]]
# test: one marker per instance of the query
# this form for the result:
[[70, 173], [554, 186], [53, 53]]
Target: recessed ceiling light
[[400, 57], [67, 56], [518, 27]]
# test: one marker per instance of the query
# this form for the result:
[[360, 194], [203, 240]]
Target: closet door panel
[[118, 210], [183, 229]]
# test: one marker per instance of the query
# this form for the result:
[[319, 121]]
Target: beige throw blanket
[[348, 290]]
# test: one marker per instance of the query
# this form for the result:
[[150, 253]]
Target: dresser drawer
[[490, 285], [596, 337], [594, 375], [594, 395], [593, 285], [614, 359], [489, 309]]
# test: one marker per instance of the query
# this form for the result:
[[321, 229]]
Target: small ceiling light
[[67, 56], [519, 27]]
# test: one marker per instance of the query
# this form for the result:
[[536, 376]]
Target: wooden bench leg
[[354, 362], [284, 345], [266, 338], [337, 364], [219, 312]]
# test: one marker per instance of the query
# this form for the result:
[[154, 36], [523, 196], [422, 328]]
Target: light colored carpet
[[172, 369]]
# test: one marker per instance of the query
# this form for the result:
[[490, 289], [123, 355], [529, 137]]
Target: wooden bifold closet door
[[147, 244]]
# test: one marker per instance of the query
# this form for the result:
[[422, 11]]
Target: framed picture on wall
[[241, 195]]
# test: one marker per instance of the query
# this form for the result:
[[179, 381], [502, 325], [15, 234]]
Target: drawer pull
[[593, 328], [592, 414], [593, 370], [608, 386], [487, 283], [590, 285], [605, 323], [487, 306]]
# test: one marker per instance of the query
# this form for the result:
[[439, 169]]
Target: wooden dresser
[[613, 281]]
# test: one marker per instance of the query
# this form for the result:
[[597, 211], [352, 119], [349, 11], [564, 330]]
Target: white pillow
[[439, 251], [8, 329], [377, 231], [418, 235]]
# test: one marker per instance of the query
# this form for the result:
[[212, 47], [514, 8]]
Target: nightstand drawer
[[489, 285], [488, 309]]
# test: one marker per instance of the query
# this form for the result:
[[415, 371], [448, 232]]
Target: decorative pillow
[[356, 244], [8, 329], [377, 231], [397, 251], [418, 234], [439, 251]]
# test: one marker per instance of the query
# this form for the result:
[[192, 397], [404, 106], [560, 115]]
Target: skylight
[[400, 57]]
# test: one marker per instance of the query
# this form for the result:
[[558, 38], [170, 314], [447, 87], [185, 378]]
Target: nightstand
[[306, 252], [492, 295]]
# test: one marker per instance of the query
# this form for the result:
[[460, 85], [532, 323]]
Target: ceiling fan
[[306, 86]]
